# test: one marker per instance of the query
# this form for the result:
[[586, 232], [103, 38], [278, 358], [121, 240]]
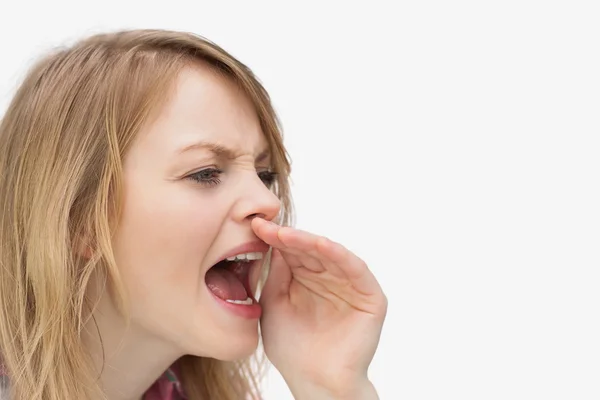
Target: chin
[[230, 347], [228, 343], [234, 354]]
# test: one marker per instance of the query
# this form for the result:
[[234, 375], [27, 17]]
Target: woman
[[144, 183]]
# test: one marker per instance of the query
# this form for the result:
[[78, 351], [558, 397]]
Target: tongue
[[225, 284]]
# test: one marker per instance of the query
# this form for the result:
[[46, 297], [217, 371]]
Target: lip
[[257, 246], [254, 310]]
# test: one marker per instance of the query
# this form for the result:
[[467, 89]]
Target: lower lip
[[248, 311]]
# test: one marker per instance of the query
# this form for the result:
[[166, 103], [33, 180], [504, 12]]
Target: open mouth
[[229, 279]]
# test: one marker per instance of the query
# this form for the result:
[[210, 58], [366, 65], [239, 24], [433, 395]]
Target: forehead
[[206, 106]]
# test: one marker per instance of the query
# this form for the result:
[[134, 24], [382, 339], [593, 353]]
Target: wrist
[[355, 391]]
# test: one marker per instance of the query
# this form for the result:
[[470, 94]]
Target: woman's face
[[181, 216]]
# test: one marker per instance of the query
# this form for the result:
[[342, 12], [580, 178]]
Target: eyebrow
[[222, 151]]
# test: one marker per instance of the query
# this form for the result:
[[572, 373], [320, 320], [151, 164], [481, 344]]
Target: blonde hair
[[62, 141]]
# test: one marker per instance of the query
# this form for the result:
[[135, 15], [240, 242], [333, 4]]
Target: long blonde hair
[[62, 141]]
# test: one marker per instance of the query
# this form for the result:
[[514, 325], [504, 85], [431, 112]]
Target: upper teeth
[[246, 257]]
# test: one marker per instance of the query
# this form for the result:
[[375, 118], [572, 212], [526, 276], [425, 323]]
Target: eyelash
[[210, 177], [268, 177], [210, 180]]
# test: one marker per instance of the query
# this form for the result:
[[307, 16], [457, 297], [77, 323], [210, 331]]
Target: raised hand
[[323, 311]]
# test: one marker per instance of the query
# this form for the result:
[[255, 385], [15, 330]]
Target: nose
[[256, 200]]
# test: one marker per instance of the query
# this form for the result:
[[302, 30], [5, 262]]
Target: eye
[[209, 177], [268, 177]]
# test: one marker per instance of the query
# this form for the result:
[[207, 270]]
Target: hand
[[323, 311]]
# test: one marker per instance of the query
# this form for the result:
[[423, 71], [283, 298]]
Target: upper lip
[[257, 246]]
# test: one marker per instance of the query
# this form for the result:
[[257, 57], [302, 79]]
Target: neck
[[127, 359]]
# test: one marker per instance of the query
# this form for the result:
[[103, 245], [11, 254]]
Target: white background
[[454, 145]]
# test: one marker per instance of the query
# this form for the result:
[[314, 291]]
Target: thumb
[[278, 279]]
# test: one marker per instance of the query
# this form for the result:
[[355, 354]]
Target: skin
[[319, 296], [323, 314]]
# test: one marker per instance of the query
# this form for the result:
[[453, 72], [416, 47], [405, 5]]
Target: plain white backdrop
[[452, 145]]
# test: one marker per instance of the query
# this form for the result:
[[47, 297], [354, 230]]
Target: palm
[[323, 309]]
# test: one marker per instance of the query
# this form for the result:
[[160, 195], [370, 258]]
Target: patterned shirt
[[167, 387]]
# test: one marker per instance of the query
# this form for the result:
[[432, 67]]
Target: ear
[[82, 247]]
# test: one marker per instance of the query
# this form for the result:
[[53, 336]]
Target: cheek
[[162, 240]]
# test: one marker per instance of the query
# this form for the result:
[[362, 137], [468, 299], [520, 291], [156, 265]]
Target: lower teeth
[[247, 302]]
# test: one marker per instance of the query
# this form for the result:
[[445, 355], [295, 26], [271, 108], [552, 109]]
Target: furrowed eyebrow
[[221, 151]]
